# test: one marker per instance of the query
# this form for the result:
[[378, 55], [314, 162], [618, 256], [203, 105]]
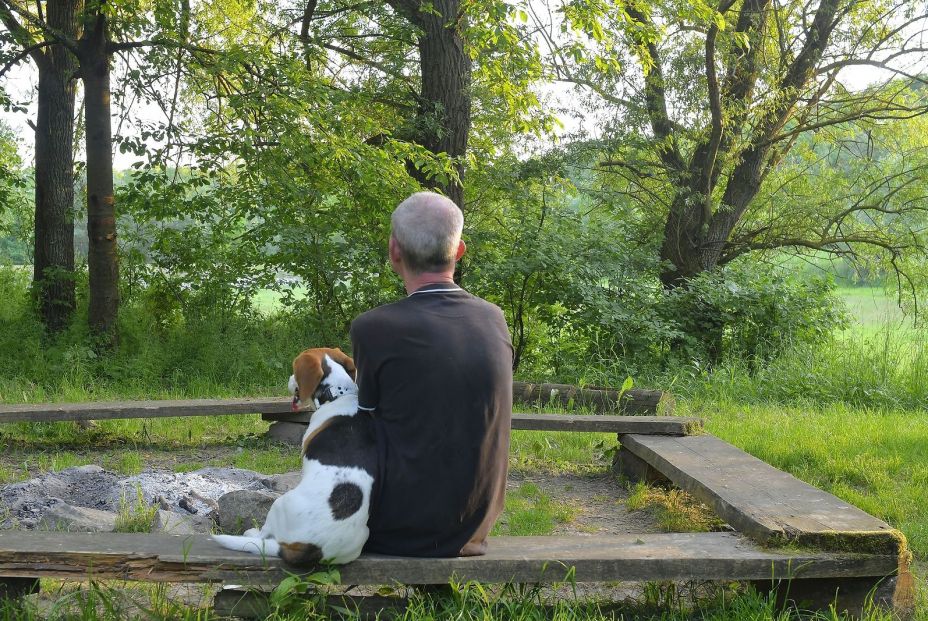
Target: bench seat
[[639, 557]]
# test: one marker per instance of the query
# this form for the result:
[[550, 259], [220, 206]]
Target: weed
[[676, 511], [137, 517]]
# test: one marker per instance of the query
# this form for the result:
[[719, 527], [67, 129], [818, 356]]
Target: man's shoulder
[[377, 316]]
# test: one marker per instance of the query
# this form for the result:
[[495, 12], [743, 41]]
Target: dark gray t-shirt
[[436, 369]]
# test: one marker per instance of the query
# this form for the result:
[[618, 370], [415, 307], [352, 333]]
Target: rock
[[286, 432], [282, 483], [243, 509], [177, 524], [62, 516]]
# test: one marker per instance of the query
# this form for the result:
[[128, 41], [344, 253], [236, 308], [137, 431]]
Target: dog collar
[[330, 394]]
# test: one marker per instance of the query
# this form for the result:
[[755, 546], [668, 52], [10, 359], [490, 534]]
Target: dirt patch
[[598, 501]]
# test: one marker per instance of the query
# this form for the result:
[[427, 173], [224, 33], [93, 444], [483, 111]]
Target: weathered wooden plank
[[668, 556], [669, 425], [759, 500], [103, 410], [602, 400], [635, 401]]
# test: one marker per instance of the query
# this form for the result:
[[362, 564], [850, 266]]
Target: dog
[[324, 518]]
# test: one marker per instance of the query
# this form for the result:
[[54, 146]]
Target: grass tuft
[[135, 517], [675, 510]]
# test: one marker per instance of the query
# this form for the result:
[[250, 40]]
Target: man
[[436, 370]]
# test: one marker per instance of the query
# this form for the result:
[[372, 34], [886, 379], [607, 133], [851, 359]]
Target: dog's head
[[320, 375]]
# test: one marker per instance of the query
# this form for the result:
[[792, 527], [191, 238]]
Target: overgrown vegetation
[[292, 600]]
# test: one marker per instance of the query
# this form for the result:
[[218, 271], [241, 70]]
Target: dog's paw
[[252, 532]]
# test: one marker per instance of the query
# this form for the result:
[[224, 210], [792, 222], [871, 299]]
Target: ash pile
[[91, 499]]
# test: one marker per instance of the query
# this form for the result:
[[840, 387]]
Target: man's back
[[437, 368]]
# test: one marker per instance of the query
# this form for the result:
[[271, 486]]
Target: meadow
[[851, 418]]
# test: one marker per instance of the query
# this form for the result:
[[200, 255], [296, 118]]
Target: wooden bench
[[788, 530], [601, 400]]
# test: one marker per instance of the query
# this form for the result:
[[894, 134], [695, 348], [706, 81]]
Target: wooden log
[[670, 425], [666, 556], [602, 400], [761, 501]]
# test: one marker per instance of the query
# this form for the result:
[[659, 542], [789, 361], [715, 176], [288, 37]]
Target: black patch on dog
[[346, 441], [345, 500]]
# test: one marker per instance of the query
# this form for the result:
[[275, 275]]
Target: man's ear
[[345, 360], [462, 248], [307, 369]]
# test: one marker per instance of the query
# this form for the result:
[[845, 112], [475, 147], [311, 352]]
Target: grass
[[461, 601], [873, 458], [135, 517], [529, 511], [850, 418], [675, 510]]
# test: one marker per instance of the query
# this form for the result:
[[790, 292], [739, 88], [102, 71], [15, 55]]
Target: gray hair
[[427, 226]]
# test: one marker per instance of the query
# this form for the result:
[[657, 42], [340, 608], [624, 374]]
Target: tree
[[721, 95], [90, 49], [53, 257], [444, 100]]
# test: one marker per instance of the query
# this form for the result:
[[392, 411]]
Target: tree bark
[[102, 260], [443, 117], [53, 262]]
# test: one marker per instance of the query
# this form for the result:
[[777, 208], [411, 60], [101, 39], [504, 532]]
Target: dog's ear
[[345, 360], [307, 369]]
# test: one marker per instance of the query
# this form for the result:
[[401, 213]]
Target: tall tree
[[94, 50], [444, 100], [721, 95], [53, 257]]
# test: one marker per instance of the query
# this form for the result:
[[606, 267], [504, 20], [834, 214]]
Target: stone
[[286, 432], [282, 483], [176, 524], [244, 509], [62, 516]]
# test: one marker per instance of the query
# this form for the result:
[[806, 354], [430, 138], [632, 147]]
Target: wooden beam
[[104, 410], [761, 501], [666, 425], [633, 402], [196, 558]]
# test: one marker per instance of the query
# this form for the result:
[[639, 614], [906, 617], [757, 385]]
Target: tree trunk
[[442, 120], [101, 213], [53, 262], [444, 103]]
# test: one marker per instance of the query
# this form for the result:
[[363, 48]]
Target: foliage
[[15, 218]]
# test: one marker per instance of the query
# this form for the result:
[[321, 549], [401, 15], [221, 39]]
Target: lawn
[[849, 418]]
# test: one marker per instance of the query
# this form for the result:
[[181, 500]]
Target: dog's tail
[[255, 545]]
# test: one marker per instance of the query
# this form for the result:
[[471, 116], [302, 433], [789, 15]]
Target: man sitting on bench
[[436, 369]]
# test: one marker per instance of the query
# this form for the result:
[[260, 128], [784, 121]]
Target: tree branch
[[25, 52], [655, 97]]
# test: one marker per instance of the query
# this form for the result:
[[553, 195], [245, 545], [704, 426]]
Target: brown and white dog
[[324, 518]]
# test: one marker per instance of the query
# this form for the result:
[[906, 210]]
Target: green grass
[[872, 309], [874, 459], [135, 517], [529, 511], [675, 510]]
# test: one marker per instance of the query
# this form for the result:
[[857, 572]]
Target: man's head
[[426, 235]]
